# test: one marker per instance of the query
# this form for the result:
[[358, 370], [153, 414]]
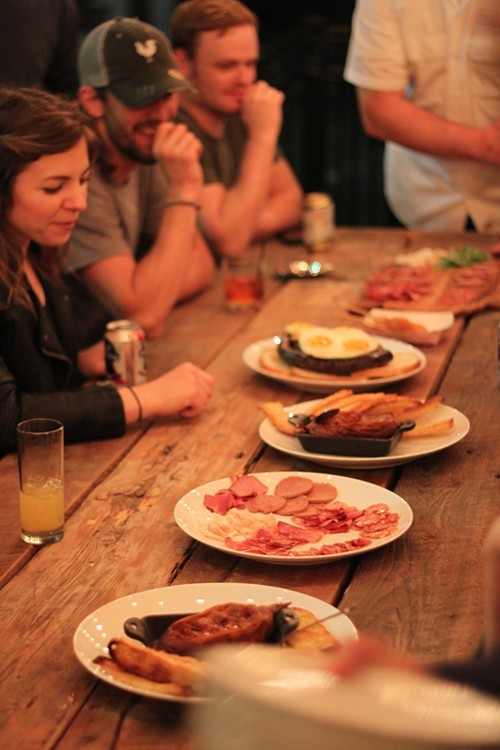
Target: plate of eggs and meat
[[320, 359]]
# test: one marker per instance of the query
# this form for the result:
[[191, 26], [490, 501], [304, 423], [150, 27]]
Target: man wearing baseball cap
[[137, 242]]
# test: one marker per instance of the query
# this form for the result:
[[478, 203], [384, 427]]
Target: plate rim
[[319, 386], [277, 593], [360, 462], [305, 559], [370, 685]]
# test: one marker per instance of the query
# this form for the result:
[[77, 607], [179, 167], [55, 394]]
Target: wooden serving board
[[461, 290]]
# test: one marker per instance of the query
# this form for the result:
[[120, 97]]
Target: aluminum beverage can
[[318, 220], [125, 352]]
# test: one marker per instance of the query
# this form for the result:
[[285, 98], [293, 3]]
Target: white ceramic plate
[[408, 449], [295, 699], [96, 630], [196, 520], [251, 357]]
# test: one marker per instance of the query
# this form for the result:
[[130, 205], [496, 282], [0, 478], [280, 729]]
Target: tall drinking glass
[[40, 451], [243, 279]]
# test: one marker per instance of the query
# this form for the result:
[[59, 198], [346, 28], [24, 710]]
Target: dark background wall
[[304, 46]]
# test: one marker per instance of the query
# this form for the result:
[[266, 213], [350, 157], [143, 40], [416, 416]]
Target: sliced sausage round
[[322, 492], [294, 505], [293, 486], [265, 504]]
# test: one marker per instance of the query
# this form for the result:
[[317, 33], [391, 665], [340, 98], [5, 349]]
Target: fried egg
[[342, 342]]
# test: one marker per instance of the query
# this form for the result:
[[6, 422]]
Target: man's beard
[[126, 146]]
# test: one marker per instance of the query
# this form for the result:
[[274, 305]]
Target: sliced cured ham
[[458, 290], [221, 502], [247, 486]]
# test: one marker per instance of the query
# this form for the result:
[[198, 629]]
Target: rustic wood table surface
[[423, 592]]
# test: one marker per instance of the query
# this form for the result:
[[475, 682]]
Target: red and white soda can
[[124, 342]]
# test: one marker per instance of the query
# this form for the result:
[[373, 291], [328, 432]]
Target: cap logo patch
[[173, 73], [147, 49]]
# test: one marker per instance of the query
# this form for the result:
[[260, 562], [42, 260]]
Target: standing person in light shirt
[[46, 147], [428, 80], [138, 242], [250, 189]]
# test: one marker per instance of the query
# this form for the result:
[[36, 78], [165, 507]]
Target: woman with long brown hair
[[46, 152]]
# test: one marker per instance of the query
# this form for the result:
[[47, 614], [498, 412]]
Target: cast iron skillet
[[346, 446], [150, 628]]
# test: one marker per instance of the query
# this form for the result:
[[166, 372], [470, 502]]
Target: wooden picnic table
[[422, 592]]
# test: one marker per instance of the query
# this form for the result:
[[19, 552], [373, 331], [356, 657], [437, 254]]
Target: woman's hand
[[185, 390]]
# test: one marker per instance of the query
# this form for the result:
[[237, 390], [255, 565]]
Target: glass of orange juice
[[40, 451]]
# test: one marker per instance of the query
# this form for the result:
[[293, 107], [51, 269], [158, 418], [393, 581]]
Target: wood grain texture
[[423, 592]]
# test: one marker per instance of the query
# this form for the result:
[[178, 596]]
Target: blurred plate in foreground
[[290, 701]]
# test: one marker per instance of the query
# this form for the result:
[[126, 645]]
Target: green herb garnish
[[463, 256]]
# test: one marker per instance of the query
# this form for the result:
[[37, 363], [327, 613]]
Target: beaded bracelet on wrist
[[138, 400], [193, 204]]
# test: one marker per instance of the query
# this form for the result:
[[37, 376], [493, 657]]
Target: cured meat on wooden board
[[466, 289]]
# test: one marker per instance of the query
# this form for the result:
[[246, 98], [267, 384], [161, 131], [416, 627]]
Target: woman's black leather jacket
[[38, 373]]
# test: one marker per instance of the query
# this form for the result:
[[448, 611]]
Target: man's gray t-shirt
[[221, 157], [119, 219]]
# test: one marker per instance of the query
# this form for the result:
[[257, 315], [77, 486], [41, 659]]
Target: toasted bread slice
[[401, 363], [310, 634], [276, 412], [428, 430], [270, 360]]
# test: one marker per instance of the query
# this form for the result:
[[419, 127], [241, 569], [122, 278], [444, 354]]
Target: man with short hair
[[250, 189], [137, 243]]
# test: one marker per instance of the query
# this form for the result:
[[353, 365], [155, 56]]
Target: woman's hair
[[194, 16], [33, 124]]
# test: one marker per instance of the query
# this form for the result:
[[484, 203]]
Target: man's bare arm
[[178, 265], [388, 115], [232, 217], [179, 262], [283, 207]]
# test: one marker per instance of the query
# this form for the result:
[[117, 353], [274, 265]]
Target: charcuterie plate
[[420, 281], [263, 536]]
